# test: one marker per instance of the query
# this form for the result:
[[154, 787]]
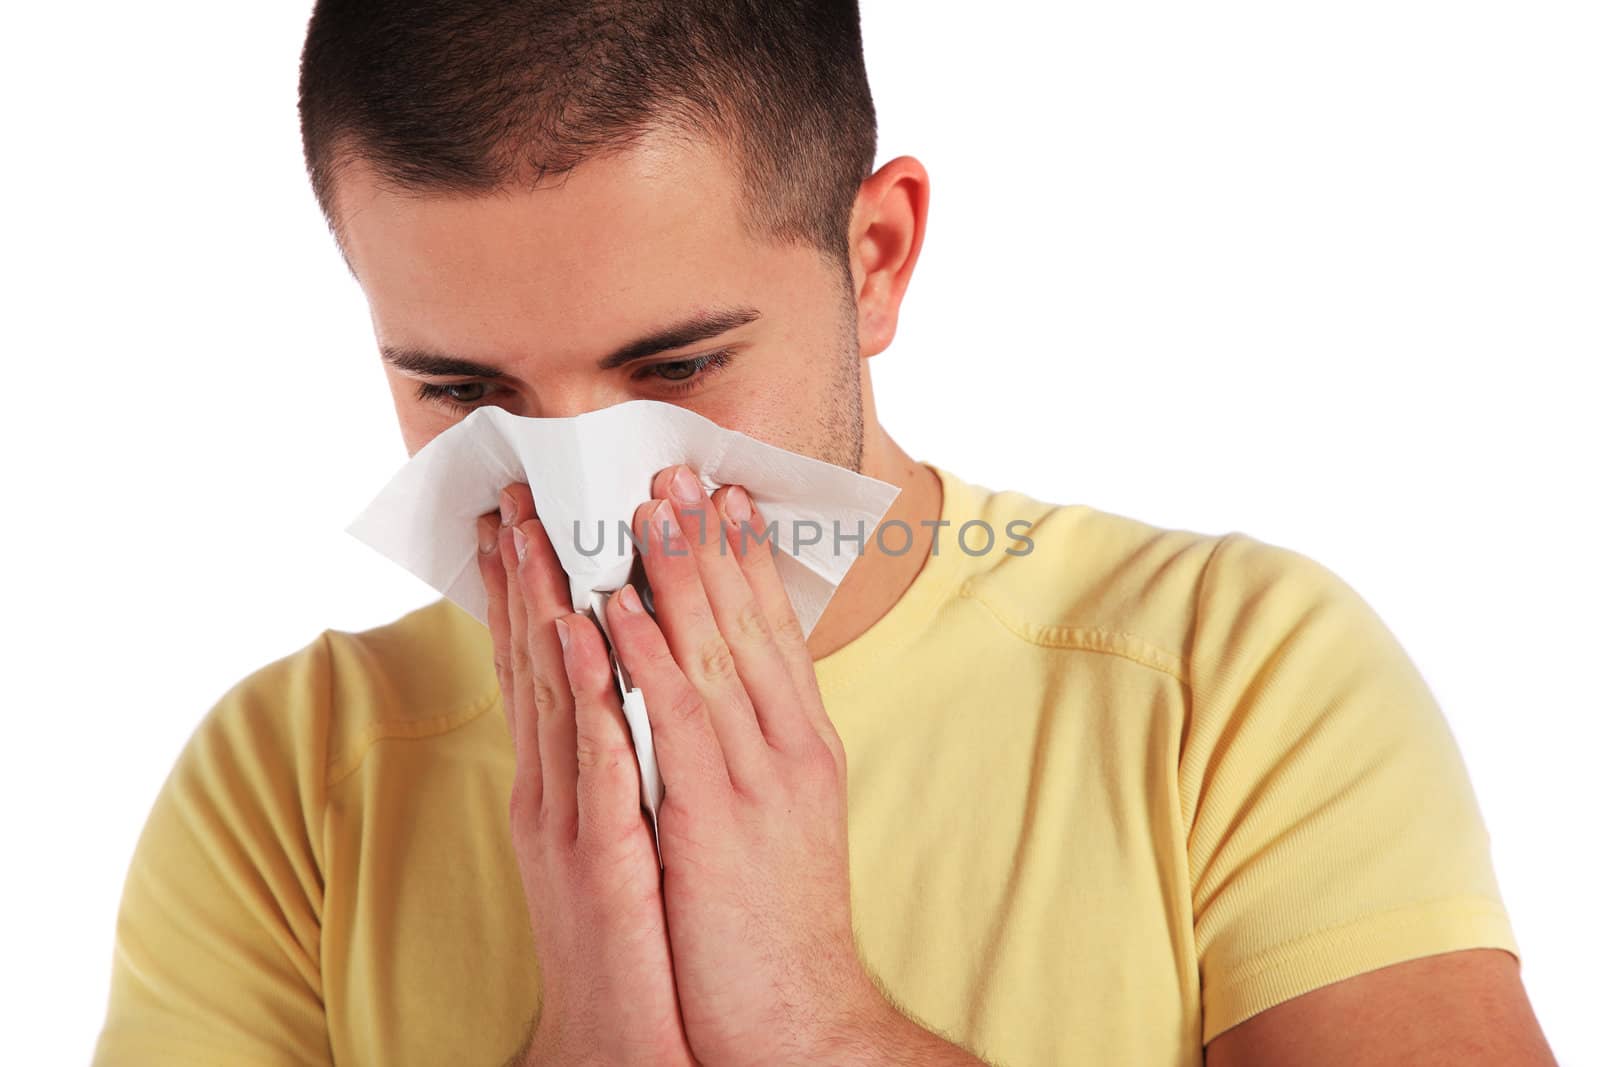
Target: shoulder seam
[[1188, 806], [407, 729], [1120, 643]]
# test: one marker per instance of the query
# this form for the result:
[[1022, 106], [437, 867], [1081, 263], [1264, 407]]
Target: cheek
[[786, 418], [788, 397], [762, 406]]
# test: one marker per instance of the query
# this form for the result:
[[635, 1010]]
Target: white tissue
[[595, 469]]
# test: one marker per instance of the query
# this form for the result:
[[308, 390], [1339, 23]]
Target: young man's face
[[553, 287]]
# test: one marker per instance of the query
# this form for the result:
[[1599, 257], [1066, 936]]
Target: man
[[1114, 793]]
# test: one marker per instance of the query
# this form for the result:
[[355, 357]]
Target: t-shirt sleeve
[[216, 958], [1332, 826]]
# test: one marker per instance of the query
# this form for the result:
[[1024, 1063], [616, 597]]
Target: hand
[[753, 824], [585, 852]]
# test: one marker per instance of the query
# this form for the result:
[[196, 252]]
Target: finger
[[753, 547], [740, 616], [546, 598], [690, 627], [694, 774], [608, 771], [516, 501], [524, 725], [493, 573]]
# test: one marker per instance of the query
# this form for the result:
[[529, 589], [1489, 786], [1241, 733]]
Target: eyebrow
[[700, 326]]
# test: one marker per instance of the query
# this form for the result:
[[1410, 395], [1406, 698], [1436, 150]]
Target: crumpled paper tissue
[[588, 474]]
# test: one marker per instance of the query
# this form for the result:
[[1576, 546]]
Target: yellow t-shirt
[[1108, 798]]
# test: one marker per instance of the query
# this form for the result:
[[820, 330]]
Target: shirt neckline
[[938, 575]]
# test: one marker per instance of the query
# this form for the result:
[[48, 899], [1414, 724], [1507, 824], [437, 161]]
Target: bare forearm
[[891, 1038], [888, 1038]]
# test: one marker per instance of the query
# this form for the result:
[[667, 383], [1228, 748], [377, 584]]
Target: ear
[[886, 230]]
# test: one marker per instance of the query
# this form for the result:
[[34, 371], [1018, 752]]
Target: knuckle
[[685, 706], [841, 766], [715, 660], [591, 871], [546, 699], [658, 658], [787, 629], [752, 622], [596, 755], [818, 760], [835, 749], [688, 819]]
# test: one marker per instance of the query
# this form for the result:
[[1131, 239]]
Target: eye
[[448, 396], [677, 372], [681, 375]]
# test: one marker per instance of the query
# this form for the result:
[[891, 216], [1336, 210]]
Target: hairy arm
[[891, 1037]]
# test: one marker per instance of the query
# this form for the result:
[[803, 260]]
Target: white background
[[1326, 274]]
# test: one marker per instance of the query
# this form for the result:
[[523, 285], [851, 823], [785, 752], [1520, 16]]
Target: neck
[[877, 580]]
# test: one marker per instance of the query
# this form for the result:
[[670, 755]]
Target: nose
[[560, 402]]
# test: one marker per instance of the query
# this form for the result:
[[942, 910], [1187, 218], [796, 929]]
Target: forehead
[[623, 238]]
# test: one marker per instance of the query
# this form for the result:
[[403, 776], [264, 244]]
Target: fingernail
[[561, 633], [629, 599], [521, 540], [737, 504], [488, 540], [685, 486], [508, 509]]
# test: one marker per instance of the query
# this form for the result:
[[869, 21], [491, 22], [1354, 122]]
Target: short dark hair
[[472, 96]]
